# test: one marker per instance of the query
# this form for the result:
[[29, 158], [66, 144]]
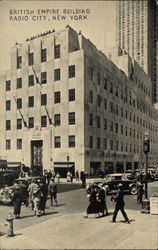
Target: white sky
[[101, 18]]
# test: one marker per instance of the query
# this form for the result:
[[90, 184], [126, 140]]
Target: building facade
[[65, 105], [137, 33]]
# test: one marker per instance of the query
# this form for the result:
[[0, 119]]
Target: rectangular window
[[105, 104], [19, 103], [111, 107], [57, 141], [31, 122], [43, 55], [43, 77], [105, 144], [116, 127], [111, 144], [43, 99], [91, 141], [98, 100], [19, 123], [98, 142], [57, 75], [71, 118], [57, 51], [98, 78], [111, 87], [31, 101], [71, 95], [19, 144], [19, 62], [19, 83], [71, 71], [116, 111], [31, 59], [90, 73], [8, 144], [31, 80], [105, 83], [57, 119], [8, 124], [121, 129], [111, 125], [90, 119], [71, 141], [105, 124], [98, 121], [57, 97], [43, 121], [90, 96], [8, 105], [8, 85]]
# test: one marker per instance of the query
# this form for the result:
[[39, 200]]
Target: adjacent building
[[65, 105], [137, 33]]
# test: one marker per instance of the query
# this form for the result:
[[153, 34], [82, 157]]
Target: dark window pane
[[57, 141], [19, 62], [57, 51], [71, 141], [19, 83], [71, 71], [31, 80], [31, 122], [57, 119], [43, 121], [43, 99], [8, 125], [19, 123], [57, 97], [31, 101], [19, 143], [71, 95], [8, 144], [44, 55], [8, 85], [71, 118], [8, 105], [57, 75], [43, 77], [31, 59]]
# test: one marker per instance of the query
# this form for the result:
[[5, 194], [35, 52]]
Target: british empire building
[[64, 104]]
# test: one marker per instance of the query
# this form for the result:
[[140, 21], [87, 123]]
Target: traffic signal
[[146, 144]]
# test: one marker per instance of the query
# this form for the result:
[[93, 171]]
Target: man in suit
[[119, 199]]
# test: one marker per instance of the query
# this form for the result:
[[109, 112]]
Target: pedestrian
[[71, 177], [93, 207], [83, 179], [43, 200], [68, 176], [77, 175], [36, 201], [118, 198], [32, 186], [102, 200], [139, 192], [53, 191], [16, 199], [58, 177]]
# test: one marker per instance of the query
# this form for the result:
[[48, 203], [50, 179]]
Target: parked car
[[112, 180], [27, 180], [6, 194]]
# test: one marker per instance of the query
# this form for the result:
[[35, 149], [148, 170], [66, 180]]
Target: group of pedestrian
[[97, 200], [37, 197]]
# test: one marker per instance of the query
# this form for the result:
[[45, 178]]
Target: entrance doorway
[[37, 157]]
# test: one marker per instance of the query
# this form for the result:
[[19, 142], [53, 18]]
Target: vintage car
[[6, 194], [112, 180], [27, 180]]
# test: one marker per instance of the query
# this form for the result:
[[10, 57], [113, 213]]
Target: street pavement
[[64, 227]]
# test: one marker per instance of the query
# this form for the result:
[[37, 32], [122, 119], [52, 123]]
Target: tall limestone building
[[65, 105]]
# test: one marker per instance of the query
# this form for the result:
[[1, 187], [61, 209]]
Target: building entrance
[[37, 157]]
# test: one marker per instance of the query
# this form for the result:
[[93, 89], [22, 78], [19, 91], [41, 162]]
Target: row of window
[[31, 78], [118, 146], [57, 99], [107, 83], [43, 56], [57, 142], [57, 121], [143, 123]]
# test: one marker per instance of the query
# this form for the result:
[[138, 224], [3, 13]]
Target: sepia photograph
[[79, 124]]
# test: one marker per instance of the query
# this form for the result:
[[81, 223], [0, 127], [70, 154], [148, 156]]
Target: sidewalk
[[75, 232]]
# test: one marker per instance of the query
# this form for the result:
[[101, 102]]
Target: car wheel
[[133, 190]]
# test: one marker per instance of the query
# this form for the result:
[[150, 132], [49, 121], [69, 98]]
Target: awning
[[63, 166]]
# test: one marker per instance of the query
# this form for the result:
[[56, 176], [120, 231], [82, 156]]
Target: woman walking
[[16, 199]]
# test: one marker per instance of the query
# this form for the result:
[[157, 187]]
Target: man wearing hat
[[102, 199], [119, 199]]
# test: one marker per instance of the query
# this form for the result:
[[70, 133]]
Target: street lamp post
[[146, 149]]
